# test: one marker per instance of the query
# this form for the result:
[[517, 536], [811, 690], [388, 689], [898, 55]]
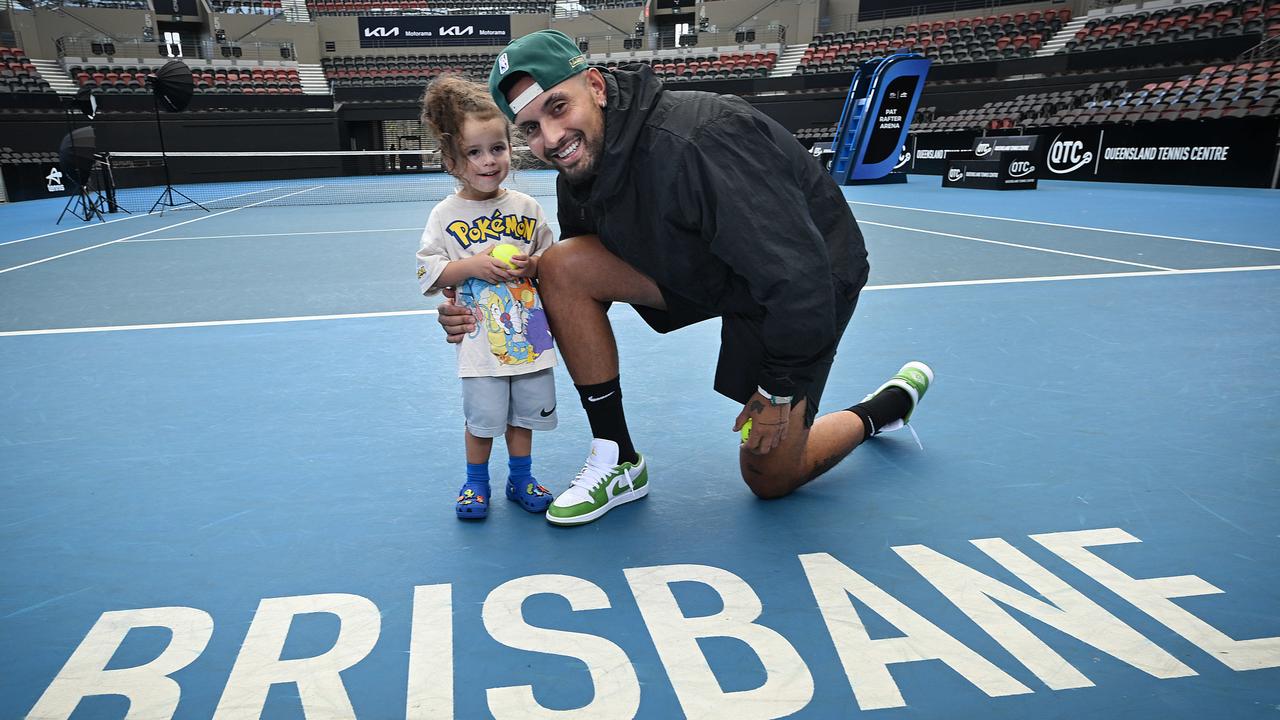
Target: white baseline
[[1014, 245], [130, 217], [148, 232], [1064, 225], [869, 288]]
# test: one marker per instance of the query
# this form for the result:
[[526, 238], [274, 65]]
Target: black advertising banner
[[32, 181], [930, 150], [1231, 151], [1006, 170], [1072, 153], [1239, 152], [1006, 143], [429, 30]]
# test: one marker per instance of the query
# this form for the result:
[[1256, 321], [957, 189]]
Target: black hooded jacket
[[723, 208]]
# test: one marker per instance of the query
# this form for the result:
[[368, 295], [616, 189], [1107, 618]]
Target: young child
[[506, 365]]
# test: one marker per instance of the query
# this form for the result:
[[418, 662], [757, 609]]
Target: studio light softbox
[[75, 155], [173, 86]]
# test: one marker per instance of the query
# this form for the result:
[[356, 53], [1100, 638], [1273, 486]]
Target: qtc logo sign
[[1020, 168], [1068, 156]]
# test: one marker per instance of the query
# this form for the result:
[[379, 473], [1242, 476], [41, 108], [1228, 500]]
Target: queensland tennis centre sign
[[429, 30]]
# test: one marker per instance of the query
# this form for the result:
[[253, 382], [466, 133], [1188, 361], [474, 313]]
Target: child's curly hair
[[449, 101]]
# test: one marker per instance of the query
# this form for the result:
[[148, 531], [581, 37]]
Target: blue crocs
[[473, 501], [532, 496]]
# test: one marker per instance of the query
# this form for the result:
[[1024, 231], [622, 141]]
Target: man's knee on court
[[563, 266], [768, 484]]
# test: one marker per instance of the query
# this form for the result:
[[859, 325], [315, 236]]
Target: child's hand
[[490, 269], [526, 265]]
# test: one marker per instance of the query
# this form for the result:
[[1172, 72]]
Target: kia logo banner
[[429, 30]]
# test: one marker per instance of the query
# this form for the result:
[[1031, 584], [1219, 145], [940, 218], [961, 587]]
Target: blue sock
[[520, 468], [478, 473]]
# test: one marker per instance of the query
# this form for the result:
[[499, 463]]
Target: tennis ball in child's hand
[[505, 252], [746, 430]]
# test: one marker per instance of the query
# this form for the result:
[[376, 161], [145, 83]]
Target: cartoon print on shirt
[[510, 316]]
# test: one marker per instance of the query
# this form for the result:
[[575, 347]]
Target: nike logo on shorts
[[591, 398], [547, 413]]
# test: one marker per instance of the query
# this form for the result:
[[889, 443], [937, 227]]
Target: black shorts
[[742, 347]]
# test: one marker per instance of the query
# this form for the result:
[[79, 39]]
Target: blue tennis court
[[230, 444]]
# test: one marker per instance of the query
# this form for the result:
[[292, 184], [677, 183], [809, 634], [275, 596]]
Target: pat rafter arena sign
[[1238, 152], [431, 30]]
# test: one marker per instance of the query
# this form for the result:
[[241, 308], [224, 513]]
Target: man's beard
[[585, 169]]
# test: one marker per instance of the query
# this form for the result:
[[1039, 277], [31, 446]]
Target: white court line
[[1056, 278], [1015, 245], [67, 230], [148, 232], [397, 313], [1073, 227], [287, 234], [216, 323], [131, 217]]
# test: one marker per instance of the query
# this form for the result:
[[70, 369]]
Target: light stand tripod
[[166, 197], [86, 203]]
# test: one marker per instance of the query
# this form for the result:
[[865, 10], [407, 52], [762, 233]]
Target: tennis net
[[223, 180]]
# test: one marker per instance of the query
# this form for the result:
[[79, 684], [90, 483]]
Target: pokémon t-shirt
[[511, 336]]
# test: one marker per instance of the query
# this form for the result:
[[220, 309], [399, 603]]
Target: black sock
[[603, 403], [888, 405]]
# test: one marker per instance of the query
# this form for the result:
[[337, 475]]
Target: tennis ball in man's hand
[[505, 252], [746, 430]]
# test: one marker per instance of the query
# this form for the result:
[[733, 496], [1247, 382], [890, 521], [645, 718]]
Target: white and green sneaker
[[601, 485], [914, 379]]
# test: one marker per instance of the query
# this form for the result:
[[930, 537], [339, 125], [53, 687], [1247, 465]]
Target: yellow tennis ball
[[746, 430], [505, 252]]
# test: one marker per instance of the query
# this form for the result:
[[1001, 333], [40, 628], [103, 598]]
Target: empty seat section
[[976, 39], [18, 74]]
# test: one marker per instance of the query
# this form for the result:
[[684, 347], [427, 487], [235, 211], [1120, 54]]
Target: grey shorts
[[490, 404]]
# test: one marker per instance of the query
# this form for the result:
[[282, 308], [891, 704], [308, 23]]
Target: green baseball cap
[[549, 56]]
